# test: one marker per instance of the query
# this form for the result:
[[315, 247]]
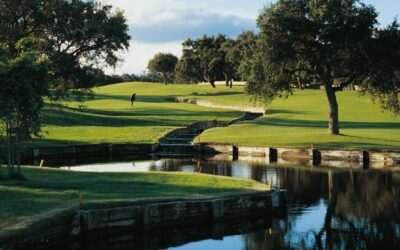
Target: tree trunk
[[330, 213], [18, 158], [165, 79], [334, 110], [212, 83], [226, 79], [9, 149], [301, 87], [231, 83]]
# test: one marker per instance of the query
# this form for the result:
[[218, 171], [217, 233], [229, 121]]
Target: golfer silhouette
[[133, 98]]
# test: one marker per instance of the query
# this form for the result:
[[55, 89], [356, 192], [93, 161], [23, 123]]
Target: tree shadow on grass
[[352, 144], [120, 189], [137, 117], [139, 98], [293, 123], [279, 122], [45, 142], [285, 111], [370, 138], [143, 112], [126, 98]]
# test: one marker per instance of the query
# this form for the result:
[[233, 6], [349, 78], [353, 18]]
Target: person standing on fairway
[[133, 98]]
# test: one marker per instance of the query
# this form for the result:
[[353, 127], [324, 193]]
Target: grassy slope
[[301, 120], [109, 117], [48, 189]]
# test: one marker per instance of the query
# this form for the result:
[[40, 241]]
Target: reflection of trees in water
[[363, 212], [370, 195], [264, 240], [222, 168], [366, 212], [303, 187], [363, 208], [169, 165], [280, 236]]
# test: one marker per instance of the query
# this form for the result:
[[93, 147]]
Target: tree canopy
[[57, 45], [164, 64], [333, 44], [203, 59], [77, 36]]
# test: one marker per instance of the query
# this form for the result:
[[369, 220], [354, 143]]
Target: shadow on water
[[327, 209]]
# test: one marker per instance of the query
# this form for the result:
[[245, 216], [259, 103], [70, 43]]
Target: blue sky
[[162, 25]]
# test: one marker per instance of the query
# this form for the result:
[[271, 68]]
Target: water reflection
[[328, 209]]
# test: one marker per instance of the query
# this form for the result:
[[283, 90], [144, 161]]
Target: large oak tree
[[203, 59], [164, 64], [75, 37], [336, 43]]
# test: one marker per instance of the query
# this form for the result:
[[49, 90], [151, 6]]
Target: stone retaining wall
[[341, 158], [142, 215]]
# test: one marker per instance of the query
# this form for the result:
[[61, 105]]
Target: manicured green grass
[[109, 118], [48, 189], [301, 120]]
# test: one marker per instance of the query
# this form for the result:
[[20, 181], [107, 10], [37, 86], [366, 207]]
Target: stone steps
[[183, 142]]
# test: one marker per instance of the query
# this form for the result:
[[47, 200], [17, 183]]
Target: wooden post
[[41, 163]]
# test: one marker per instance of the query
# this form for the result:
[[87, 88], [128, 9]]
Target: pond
[[327, 209]]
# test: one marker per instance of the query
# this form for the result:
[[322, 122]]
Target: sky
[[162, 25]]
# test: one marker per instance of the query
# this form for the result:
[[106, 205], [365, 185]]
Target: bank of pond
[[325, 208]]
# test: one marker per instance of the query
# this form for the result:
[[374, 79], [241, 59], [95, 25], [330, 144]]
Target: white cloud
[[135, 61], [162, 25]]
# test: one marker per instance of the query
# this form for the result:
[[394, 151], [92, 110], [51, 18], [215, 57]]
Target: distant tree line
[[207, 59], [99, 78]]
